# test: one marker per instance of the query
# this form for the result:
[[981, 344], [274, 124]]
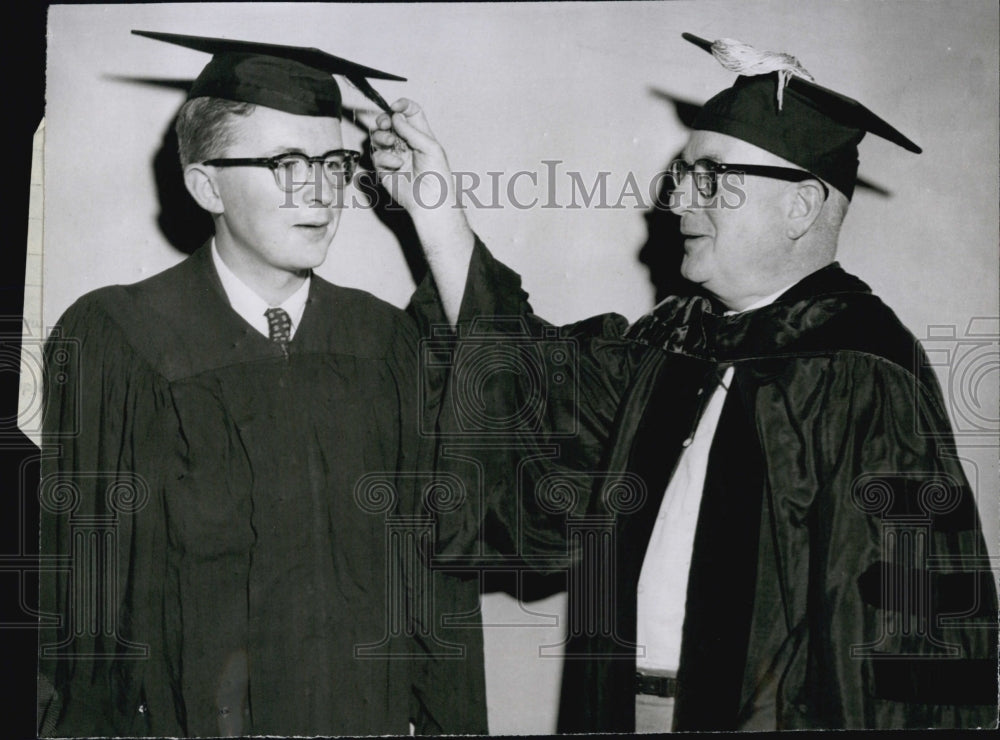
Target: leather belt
[[655, 685]]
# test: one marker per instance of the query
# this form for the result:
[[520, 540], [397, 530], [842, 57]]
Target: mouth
[[688, 232], [693, 242]]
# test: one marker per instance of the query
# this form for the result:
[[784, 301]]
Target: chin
[[302, 263], [689, 271], [310, 252], [312, 262]]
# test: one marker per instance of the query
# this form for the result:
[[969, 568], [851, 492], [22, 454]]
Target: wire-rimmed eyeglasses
[[292, 170], [706, 174]]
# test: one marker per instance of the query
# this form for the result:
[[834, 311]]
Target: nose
[[318, 191], [681, 197]]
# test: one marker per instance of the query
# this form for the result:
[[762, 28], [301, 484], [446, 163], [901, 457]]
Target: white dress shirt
[[663, 581], [250, 306]]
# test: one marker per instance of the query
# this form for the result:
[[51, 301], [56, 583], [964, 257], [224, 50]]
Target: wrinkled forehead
[[726, 148]]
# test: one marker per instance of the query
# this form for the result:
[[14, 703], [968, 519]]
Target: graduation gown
[[217, 518], [839, 576]]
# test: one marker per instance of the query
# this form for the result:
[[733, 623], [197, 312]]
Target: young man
[[219, 565], [793, 543]]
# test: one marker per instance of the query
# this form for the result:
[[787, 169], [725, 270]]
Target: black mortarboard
[[288, 78], [774, 105]]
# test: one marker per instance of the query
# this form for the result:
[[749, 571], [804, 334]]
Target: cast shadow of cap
[[183, 223]]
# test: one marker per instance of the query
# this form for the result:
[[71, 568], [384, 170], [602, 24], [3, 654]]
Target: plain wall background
[[508, 86]]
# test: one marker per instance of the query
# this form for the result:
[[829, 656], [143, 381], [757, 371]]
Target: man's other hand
[[411, 164], [413, 168]]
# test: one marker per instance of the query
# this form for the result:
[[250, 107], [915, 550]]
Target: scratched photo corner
[[507, 368]]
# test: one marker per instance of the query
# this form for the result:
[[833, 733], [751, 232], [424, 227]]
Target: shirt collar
[[250, 306], [765, 301]]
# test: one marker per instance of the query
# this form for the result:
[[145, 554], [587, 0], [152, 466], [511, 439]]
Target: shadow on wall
[[663, 250], [182, 222], [394, 218]]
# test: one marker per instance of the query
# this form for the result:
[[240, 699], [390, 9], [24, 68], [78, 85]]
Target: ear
[[200, 181], [806, 200]]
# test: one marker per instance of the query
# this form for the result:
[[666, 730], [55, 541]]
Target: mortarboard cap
[[288, 78], [774, 105]]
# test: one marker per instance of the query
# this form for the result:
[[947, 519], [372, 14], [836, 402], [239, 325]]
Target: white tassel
[[743, 59]]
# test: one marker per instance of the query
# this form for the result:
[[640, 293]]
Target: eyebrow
[[714, 156], [275, 151]]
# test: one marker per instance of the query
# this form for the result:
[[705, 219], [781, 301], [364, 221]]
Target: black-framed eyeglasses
[[706, 174], [292, 171]]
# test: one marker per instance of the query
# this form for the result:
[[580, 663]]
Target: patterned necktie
[[279, 324]]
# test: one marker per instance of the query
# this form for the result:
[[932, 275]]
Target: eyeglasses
[[706, 174], [293, 170]]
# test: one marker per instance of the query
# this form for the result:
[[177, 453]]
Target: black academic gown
[[217, 515], [839, 576]]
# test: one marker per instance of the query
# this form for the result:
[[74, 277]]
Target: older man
[[797, 545], [219, 568]]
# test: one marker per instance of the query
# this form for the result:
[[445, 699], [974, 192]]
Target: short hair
[[204, 127]]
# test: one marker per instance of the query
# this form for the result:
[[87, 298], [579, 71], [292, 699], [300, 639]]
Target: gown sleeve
[[900, 608], [524, 413], [447, 679], [102, 538]]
